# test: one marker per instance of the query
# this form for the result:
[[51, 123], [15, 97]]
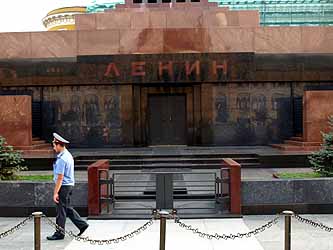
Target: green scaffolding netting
[[272, 12], [286, 12], [100, 6]]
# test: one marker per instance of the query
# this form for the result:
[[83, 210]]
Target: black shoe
[[84, 228], [56, 237]]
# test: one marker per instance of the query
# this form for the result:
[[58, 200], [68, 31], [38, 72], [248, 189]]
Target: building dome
[[62, 18]]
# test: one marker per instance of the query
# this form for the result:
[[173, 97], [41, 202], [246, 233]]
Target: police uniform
[[64, 164]]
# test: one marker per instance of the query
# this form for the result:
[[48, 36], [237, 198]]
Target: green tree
[[322, 160], [11, 161]]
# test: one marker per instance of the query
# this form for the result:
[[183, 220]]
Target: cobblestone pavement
[[304, 237]]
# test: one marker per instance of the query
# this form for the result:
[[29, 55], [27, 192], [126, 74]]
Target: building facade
[[167, 74]]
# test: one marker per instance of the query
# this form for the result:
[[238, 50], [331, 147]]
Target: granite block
[[267, 192], [15, 194], [43, 194], [114, 20], [231, 39], [317, 39], [141, 41], [15, 120], [15, 45], [85, 22], [185, 40], [277, 40], [140, 20], [99, 42], [314, 191], [191, 18], [214, 18], [316, 109], [158, 19], [54, 44]]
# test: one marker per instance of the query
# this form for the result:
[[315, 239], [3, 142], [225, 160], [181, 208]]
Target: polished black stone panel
[[293, 192], [37, 194], [17, 194]]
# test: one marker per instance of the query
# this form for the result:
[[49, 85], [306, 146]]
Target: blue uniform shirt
[[64, 164]]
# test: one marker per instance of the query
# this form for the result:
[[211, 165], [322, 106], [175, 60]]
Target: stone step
[[301, 143], [45, 146], [38, 153], [296, 138], [287, 147], [39, 141], [169, 160], [136, 156], [79, 166]]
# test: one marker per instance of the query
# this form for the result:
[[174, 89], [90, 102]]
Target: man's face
[[57, 147]]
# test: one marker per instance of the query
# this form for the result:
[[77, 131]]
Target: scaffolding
[[272, 12], [286, 12]]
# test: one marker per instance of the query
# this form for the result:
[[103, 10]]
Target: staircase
[[194, 161], [297, 144], [38, 147]]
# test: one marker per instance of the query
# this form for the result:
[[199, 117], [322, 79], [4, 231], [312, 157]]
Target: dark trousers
[[64, 209]]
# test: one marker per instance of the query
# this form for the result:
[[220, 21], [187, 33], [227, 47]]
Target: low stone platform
[[298, 144], [247, 156]]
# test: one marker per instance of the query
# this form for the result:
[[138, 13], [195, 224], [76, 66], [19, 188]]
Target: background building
[[62, 18], [286, 12]]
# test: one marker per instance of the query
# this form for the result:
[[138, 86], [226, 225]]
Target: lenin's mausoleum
[[166, 73]]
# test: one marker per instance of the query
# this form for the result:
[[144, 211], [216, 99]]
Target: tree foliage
[[11, 161], [322, 160]]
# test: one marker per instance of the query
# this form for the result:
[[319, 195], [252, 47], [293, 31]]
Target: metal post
[[163, 217], [37, 216], [287, 229]]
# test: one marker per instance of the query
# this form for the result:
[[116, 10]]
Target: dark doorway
[[167, 119], [298, 116]]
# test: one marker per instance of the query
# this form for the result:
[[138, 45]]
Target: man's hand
[[56, 198], [57, 188]]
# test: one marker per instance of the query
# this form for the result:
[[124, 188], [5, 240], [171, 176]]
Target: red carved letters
[[222, 66], [138, 69], [112, 68]]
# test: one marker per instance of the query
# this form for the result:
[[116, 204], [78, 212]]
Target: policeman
[[63, 170]]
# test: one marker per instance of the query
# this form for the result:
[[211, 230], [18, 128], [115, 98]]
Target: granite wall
[[318, 105], [23, 198], [258, 197], [85, 115], [232, 98], [15, 120], [251, 113], [300, 195]]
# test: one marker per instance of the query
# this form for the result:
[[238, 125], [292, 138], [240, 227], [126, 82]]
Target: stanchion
[[163, 217], [287, 229], [37, 216]]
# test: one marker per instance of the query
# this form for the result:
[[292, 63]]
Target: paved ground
[[304, 237]]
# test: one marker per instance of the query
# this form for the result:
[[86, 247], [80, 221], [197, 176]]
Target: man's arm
[[57, 188]]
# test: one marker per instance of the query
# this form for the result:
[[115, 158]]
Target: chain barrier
[[228, 236], [16, 228], [136, 232], [313, 223]]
